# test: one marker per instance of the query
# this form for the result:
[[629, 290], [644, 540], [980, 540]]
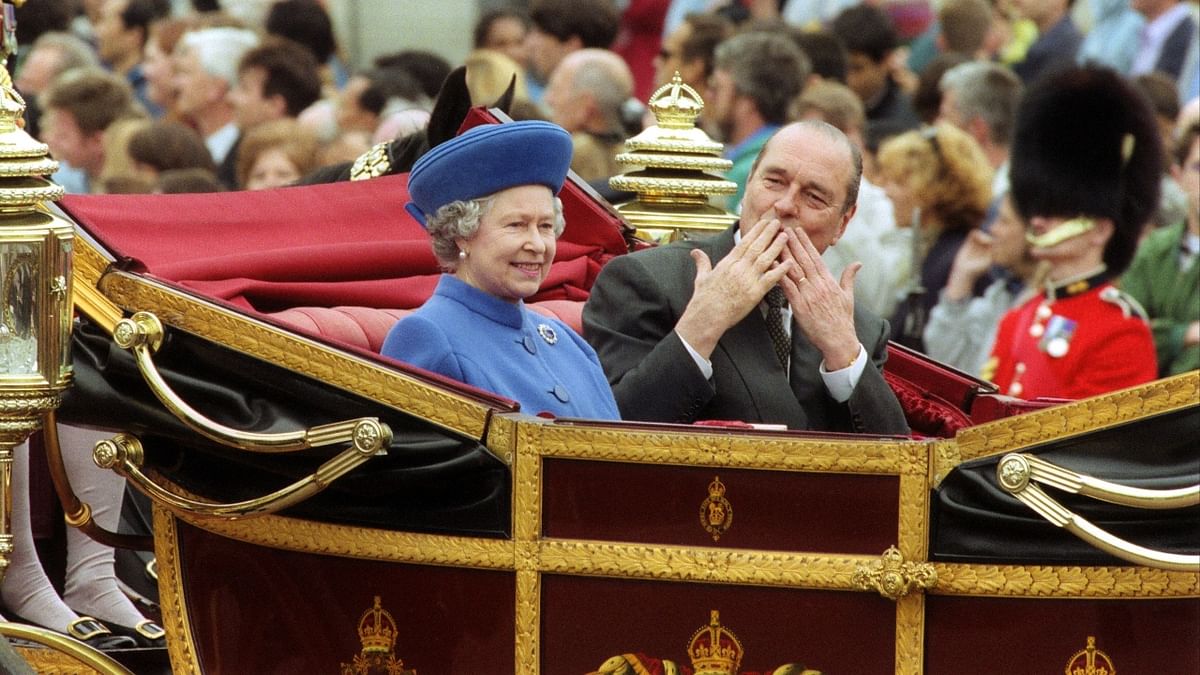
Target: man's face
[[865, 77], [350, 115], [720, 102], [71, 144], [670, 57], [567, 108], [39, 70], [508, 35], [1188, 176], [250, 108], [115, 42], [545, 52], [801, 179], [197, 89]]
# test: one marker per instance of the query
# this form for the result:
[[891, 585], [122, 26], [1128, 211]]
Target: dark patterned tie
[[783, 344]]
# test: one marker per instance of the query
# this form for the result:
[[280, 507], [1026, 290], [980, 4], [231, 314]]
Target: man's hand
[[725, 294], [822, 306]]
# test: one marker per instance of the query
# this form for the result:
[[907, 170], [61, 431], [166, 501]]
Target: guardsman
[[1086, 166]]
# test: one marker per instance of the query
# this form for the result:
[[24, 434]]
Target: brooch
[[547, 333]]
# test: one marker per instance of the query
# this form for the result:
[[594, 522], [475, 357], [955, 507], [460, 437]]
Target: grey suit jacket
[[630, 321]]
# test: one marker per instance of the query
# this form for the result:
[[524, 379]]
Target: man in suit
[[683, 330]]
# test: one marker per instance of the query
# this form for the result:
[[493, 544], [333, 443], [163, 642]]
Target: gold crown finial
[[714, 649], [676, 105]]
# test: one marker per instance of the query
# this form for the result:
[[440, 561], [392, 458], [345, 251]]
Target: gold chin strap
[[1067, 230]]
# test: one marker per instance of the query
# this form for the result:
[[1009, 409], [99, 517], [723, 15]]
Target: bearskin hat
[[1087, 144]]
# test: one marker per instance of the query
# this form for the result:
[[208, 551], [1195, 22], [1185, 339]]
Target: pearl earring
[[462, 255]]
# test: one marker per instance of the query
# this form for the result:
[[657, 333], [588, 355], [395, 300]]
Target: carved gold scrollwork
[[892, 577]]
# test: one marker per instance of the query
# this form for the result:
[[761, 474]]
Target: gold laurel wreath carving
[[701, 448], [1072, 419], [684, 563], [910, 634], [1064, 582], [47, 661], [172, 597]]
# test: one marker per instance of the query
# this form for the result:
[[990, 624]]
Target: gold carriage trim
[[893, 577]]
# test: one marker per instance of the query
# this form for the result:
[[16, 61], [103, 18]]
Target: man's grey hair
[[604, 75], [220, 49], [988, 91], [460, 220], [73, 50], [768, 68]]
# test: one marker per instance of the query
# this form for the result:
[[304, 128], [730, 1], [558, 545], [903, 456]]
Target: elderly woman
[[939, 182], [487, 199]]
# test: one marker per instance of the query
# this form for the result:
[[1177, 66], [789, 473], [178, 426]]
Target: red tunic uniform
[[1074, 341]]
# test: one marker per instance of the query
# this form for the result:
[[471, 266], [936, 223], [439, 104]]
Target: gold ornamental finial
[[24, 162], [676, 105], [674, 168]]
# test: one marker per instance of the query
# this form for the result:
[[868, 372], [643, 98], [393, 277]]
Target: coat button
[[529, 345], [560, 393]]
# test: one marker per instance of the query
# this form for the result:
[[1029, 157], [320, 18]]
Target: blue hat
[[487, 159]]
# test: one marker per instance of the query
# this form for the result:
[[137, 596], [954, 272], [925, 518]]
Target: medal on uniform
[[1056, 340], [547, 333]]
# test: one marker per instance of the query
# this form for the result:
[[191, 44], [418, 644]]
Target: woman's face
[[159, 70], [273, 168], [510, 254], [903, 200]]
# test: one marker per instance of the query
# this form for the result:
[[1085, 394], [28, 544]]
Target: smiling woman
[[488, 200]]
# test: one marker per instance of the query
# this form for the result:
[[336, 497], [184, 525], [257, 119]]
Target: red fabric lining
[[343, 244]]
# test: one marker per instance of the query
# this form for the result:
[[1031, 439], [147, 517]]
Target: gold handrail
[[1069, 481], [1016, 471], [92, 658], [142, 334], [124, 454]]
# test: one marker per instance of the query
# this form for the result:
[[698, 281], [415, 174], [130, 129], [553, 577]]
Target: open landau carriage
[[318, 508]]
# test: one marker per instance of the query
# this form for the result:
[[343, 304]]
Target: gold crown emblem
[[1090, 661], [715, 650], [716, 489], [377, 629]]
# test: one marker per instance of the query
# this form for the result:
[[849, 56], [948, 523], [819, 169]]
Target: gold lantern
[[35, 286]]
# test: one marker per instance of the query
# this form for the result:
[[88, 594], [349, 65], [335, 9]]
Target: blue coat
[[471, 336]]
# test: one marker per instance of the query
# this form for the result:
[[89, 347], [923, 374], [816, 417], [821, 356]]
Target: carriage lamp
[[35, 284]]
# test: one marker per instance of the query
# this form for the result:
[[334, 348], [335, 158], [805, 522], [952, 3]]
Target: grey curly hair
[[460, 220]]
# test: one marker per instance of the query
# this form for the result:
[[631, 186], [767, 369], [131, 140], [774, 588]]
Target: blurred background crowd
[[206, 95]]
